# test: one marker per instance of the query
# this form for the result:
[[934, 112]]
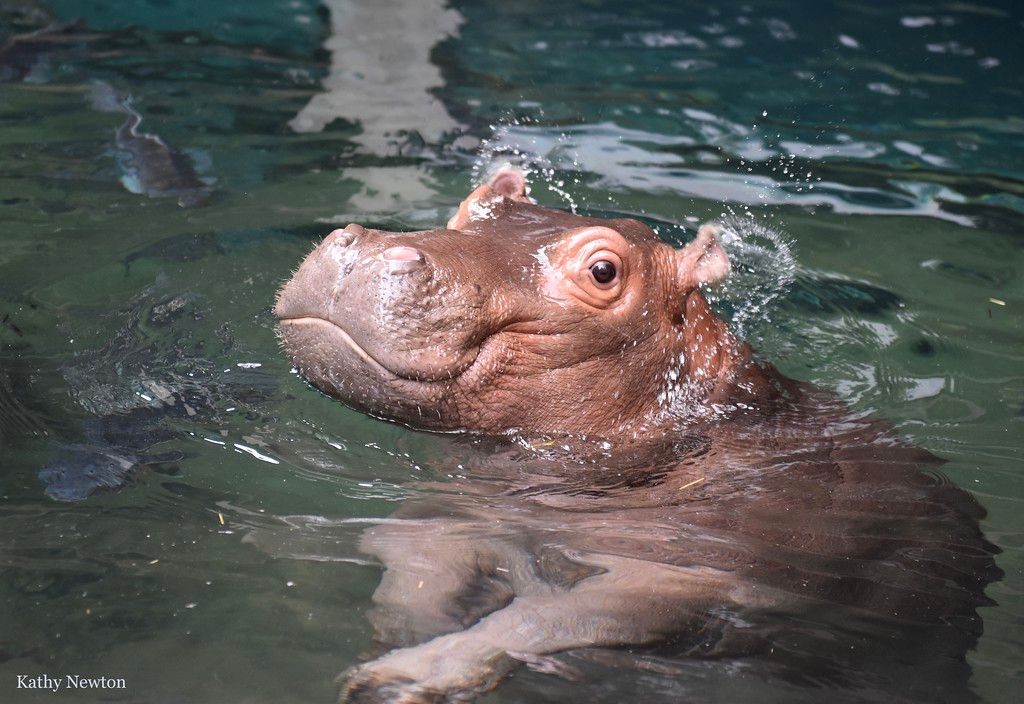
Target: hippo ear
[[507, 183], [510, 183], [703, 261], [467, 208]]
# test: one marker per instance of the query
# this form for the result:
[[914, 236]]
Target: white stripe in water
[[257, 454]]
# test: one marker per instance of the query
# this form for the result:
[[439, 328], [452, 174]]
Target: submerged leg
[[440, 578], [630, 602]]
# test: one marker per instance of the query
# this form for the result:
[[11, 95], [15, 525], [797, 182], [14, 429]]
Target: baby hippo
[[516, 317], [666, 490]]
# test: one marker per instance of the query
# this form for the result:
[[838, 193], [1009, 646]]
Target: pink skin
[[499, 323]]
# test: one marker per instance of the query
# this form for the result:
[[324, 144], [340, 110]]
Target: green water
[[885, 143]]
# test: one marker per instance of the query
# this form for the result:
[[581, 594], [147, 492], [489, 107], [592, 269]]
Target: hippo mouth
[[324, 326], [337, 331]]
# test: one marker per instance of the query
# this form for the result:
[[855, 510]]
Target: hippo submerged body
[[672, 492]]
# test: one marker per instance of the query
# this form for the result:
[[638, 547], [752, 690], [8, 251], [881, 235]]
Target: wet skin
[[498, 322], [670, 488]]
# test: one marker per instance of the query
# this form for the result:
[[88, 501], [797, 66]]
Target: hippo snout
[[388, 306], [350, 274]]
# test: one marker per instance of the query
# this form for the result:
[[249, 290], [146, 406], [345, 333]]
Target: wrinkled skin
[[496, 323], [734, 514]]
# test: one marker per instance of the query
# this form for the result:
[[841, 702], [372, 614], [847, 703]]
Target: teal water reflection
[[137, 344]]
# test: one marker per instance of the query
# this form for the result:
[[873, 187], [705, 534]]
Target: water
[[883, 143]]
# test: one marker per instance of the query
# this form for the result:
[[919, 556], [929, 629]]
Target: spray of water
[[763, 268], [543, 163]]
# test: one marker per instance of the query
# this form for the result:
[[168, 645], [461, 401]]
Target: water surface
[[884, 143]]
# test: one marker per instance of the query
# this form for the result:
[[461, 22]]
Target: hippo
[[517, 318], [633, 481]]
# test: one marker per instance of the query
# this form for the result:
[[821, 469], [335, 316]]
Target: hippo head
[[514, 317]]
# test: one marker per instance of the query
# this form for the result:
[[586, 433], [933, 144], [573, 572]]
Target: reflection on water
[[381, 72], [148, 531]]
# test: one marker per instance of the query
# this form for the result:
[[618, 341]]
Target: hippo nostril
[[402, 259], [346, 236], [402, 254], [341, 238]]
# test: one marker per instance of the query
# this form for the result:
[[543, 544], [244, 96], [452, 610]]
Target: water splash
[[533, 153], [764, 266]]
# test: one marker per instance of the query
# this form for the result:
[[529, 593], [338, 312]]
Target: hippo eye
[[603, 271]]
